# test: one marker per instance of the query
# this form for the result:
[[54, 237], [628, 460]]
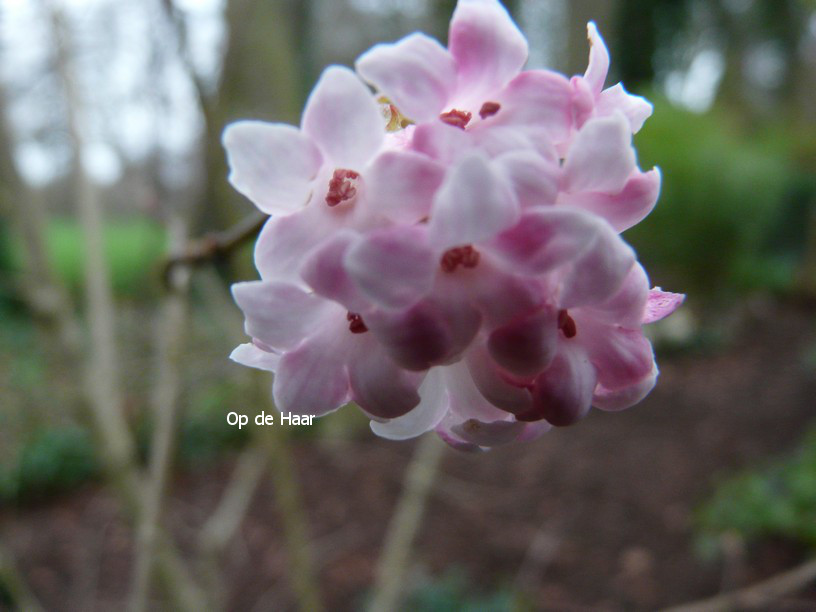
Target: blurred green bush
[[779, 501], [133, 248], [733, 206]]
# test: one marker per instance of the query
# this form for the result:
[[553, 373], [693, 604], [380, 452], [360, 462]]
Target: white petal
[[271, 164], [598, 66], [401, 185], [432, 408], [343, 119], [250, 355], [416, 74], [601, 157]]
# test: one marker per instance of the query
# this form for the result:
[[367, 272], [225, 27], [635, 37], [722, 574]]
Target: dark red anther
[[356, 324], [566, 324], [342, 186], [489, 109], [456, 118], [465, 256]]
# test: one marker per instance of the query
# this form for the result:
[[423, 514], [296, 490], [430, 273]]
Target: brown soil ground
[[593, 517]]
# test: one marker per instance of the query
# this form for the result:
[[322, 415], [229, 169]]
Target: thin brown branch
[[215, 245], [756, 596]]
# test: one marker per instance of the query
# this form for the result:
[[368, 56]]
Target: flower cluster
[[445, 252]]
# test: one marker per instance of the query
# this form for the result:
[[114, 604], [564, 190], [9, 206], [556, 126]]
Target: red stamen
[[342, 186], [456, 118], [465, 256], [356, 324], [489, 109], [566, 324]]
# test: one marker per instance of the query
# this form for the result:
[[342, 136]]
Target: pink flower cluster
[[445, 252]]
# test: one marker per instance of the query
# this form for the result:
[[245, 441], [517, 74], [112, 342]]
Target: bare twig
[[758, 595], [170, 341], [419, 479], [215, 245]]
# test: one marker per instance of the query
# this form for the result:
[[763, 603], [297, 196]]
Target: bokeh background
[[120, 479]]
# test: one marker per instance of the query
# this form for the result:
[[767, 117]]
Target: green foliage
[[53, 461], [731, 212], [132, 249], [777, 501], [454, 593]]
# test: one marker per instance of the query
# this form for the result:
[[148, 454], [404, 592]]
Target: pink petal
[[626, 307], [432, 408], [545, 238], [324, 272], [627, 396], [473, 204], [661, 304], [527, 345], [393, 267], [621, 356], [495, 388], [312, 378], [598, 66], [598, 273], [440, 141], [501, 296], [285, 241], [636, 109], [343, 119], [466, 402], [624, 209], [271, 164], [601, 157], [563, 392], [416, 74], [250, 355], [378, 386], [534, 179], [401, 185], [279, 314], [488, 47], [537, 101]]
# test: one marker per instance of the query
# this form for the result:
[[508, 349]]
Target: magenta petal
[[271, 164], [250, 355], [563, 392], [624, 209], [598, 66], [473, 204], [625, 397], [416, 74], [312, 378], [661, 304], [378, 385], [432, 408], [324, 271], [401, 185], [278, 314], [601, 157], [343, 119], [416, 338], [526, 346], [393, 267], [635, 108], [488, 47]]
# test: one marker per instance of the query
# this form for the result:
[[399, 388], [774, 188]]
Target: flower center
[[342, 186], [489, 109], [566, 324], [465, 256], [456, 118], [356, 324]]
